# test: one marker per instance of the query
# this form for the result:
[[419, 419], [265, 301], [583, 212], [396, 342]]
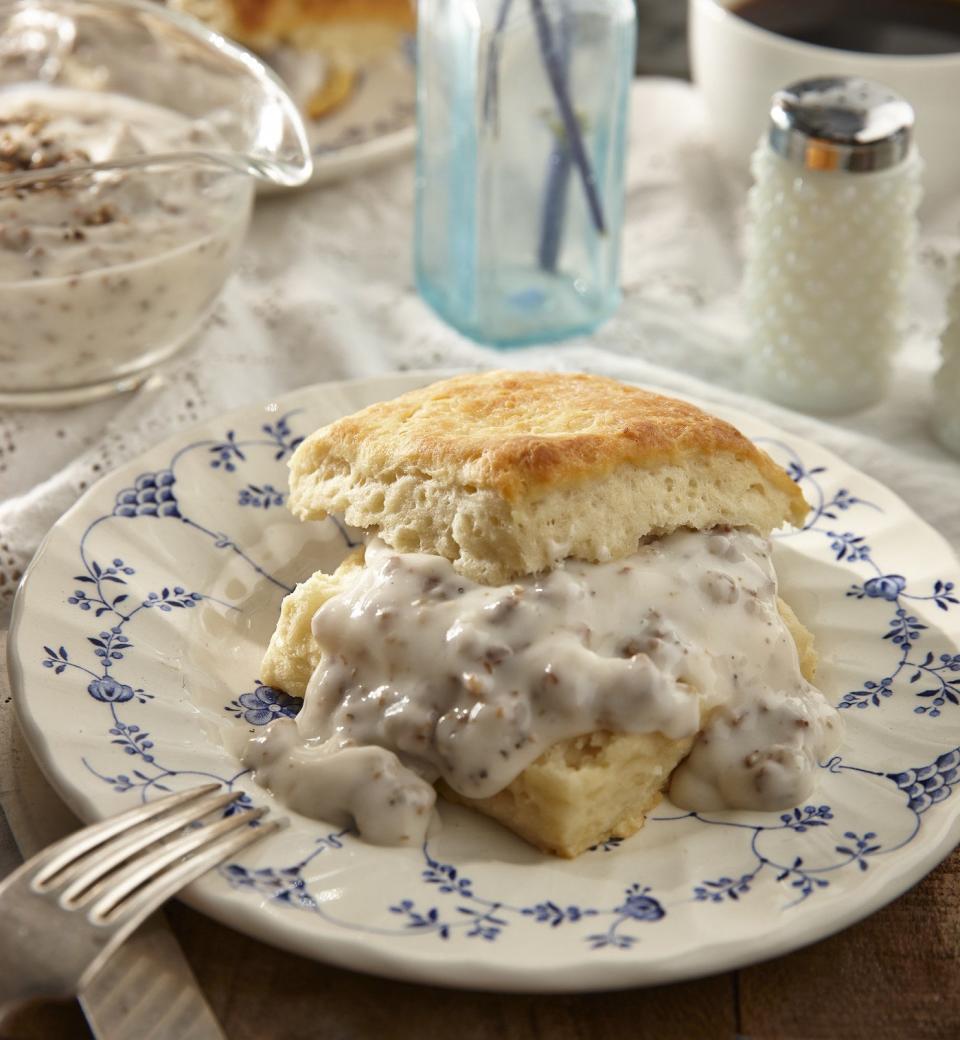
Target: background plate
[[375, 125], [134, 653]]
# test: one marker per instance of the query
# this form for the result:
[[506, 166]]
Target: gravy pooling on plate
[[435, 676]]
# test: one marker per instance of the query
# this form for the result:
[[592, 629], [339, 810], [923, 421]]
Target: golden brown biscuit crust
[[518, 433]]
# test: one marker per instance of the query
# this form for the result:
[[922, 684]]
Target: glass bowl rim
[[286, 173]]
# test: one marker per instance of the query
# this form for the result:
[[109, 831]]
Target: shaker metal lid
[[841, 123]]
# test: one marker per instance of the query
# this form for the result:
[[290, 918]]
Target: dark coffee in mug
[[869, 26]]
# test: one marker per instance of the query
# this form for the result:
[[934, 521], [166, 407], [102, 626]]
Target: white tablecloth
[[324, 291]]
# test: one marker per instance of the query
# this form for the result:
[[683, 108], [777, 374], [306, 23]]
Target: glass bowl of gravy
[[131, 141]]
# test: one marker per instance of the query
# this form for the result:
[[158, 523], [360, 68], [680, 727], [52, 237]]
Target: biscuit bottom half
[[578, 793], [601, 785]]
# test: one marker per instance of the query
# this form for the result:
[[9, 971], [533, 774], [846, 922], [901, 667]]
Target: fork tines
[[144, 855]]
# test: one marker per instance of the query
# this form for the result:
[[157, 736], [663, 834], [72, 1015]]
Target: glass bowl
[[131, 139]]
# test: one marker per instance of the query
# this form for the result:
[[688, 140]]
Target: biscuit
[[507, 473]]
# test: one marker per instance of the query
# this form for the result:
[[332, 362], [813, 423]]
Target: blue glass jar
[[522, 119]]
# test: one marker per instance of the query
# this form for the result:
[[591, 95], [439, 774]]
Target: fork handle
[[41, 956], [21, 986]]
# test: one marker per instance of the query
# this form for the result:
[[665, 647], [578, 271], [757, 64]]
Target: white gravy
[[430, 675], [101, 271]]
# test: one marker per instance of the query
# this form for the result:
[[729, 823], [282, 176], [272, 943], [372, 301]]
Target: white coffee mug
[[738, 66]]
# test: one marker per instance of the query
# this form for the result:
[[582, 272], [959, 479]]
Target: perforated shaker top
[[841, 123]]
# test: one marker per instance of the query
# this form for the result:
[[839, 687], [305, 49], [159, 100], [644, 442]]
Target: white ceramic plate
[[376, 124], [134, 654]]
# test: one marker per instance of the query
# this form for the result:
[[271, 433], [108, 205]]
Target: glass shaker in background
[[833, 226], [522, 120]]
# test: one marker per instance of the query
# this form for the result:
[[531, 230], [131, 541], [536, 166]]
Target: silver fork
[[69, 907]]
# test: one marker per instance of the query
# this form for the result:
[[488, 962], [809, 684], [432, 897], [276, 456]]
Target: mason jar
[[522, 120]]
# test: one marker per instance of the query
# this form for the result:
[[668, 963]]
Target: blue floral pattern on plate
[[121, 585]]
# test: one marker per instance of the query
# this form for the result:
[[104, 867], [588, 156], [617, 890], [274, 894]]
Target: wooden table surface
[[894, 976]]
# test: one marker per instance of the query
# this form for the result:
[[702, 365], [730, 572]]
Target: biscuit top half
[[506, 473]]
